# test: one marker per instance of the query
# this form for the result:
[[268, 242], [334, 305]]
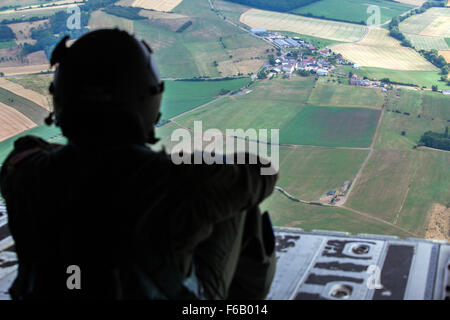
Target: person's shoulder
[[26, 149]]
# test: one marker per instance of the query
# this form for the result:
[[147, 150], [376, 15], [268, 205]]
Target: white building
[[289, 68], [322, 72]]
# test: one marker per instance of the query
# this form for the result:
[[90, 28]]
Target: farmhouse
[[356, 66], [355, 81], [322, 72], [324, 53], [289, 68]]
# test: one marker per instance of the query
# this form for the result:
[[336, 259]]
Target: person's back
[[136, 224]]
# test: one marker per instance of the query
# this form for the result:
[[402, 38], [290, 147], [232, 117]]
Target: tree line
[[436, 140], [131, 13], [184, 26], [6, 34]]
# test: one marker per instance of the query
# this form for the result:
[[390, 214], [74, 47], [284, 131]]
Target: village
[[295, 56]]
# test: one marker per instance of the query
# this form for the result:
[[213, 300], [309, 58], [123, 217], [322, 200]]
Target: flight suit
[[135, 223]]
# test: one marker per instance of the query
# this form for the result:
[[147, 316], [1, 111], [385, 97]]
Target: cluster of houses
[[357, 81], [287, 65], [360, 82]]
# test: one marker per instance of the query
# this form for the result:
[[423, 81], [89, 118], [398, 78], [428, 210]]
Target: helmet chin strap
[[151, 138]]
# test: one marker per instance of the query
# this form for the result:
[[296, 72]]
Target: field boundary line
[[367, 215], [406, 194], [380, 220], [363, 165]]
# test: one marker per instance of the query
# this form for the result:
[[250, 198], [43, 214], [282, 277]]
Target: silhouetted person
[[136, 225]]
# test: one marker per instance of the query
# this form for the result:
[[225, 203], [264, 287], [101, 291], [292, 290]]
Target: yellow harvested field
[[158, 5], [440, 27], [12, 71], [445, 54], [26, 93], [428, 30], [12, 122], [439, 223], [379, 50], [434, 22], [270, 20], [379, 37]]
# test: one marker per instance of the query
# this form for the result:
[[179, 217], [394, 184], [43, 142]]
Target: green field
[[383, 183], [412, 112], [390, 134], [345, 96], [181, 96], [310, 172], [285, 212], [419, 78], [427, 43], [282, 104], [436, 106], [269, 105], [405, 100], [429, 185], [7, 44], [28, 108], [331, 126], [352, 10], [401, 186]]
